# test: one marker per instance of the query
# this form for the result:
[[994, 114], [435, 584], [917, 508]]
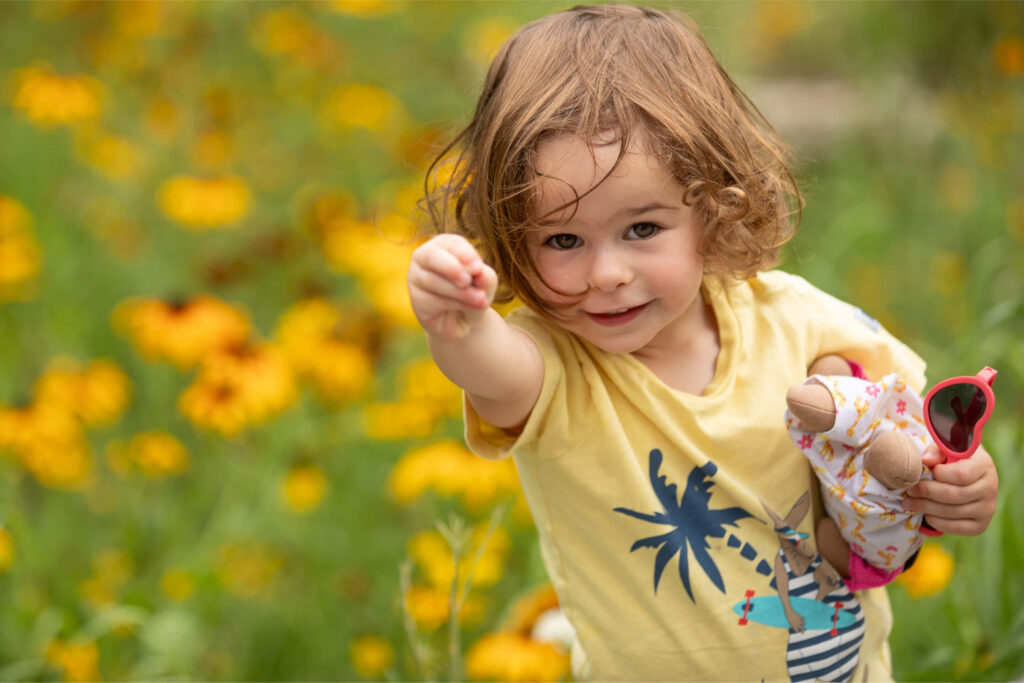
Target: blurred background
[[224, 452]]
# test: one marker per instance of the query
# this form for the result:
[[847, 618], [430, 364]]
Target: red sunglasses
[[956, 409]]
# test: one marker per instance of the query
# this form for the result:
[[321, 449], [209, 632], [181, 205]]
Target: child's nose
[[609, 270]]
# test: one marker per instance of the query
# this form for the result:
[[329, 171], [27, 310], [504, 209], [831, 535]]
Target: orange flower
[[330, 347], [513, 657], [184, 332], [50, 99], [96, 393], [448, 468], [1009, 56], [205, 203], [235, 387], [48, 442], [6, 549], [20, 257], [931, 573], [156, 454], [361, 105], [78, 660]]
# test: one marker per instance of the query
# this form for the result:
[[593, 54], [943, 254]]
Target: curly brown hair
[[633, 71]]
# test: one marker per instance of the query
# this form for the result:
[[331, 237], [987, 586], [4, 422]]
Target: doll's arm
[[961, 499], [499, 367]]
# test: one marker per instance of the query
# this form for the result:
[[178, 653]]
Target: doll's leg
[[832, 547]]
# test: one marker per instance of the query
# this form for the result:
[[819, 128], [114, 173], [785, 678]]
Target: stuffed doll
[[864, 441]]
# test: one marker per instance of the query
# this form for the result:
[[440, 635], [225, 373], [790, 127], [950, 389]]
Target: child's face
[[630, 250]]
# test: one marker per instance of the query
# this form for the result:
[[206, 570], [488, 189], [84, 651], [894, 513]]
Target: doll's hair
[[649, 79]]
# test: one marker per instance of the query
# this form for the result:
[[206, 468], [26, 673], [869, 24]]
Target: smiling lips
[[620, 317]]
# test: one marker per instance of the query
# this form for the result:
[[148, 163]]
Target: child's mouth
[[619, 317]]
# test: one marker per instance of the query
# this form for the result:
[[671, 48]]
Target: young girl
[[617, 182]]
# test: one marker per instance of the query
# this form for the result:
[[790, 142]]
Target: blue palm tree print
[[693, 522]]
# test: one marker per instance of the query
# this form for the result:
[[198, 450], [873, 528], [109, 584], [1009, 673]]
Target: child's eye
[[642, 231], [563, 241]]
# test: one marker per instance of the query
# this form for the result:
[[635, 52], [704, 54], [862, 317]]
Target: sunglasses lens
[[954, 411]]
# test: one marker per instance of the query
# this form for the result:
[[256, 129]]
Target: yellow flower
[[157, 454], [20, 256], [96, 393], [361, 105], [931, 573], [139, 19], [448, 468], [378, 255], [6, 549], [49, 99], [248, 569], [282, 31], [205, 203], [399, 420], [48, 442], [304, 487], [115, 157], [330, 347], [238, 386], [432, 554], [177, 584], [77, 660], [427, 605], [422, 380], [372, 656], [509, 656], [183, 333], [484, 38], [219, 405], [365, 8]]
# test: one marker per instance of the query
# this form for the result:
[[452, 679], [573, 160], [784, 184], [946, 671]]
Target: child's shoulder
[[777, 288]]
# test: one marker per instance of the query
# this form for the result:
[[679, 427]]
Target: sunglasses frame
[[983, 380]]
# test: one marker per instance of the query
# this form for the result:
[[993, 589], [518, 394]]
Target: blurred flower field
[[224, 451]]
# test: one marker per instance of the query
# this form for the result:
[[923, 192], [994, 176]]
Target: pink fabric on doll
[[864, 576]]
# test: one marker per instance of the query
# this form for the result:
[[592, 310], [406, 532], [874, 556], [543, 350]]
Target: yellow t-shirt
[[662, 516]]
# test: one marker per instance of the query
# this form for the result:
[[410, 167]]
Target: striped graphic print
[[819, 655]]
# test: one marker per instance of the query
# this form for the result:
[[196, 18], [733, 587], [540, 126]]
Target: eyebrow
[[653, 206], [631, 211]]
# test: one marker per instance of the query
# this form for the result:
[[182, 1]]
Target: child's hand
[[450, 286], [962, 498]]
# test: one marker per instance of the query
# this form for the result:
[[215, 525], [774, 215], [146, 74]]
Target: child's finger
[[486, 280], [444, 263], [460, 248], [430, 283]]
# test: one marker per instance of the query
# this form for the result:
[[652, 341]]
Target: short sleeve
[[835, 326], [553, 426]]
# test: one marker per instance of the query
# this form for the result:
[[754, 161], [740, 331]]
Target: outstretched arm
[[962, 498], [499, 367]]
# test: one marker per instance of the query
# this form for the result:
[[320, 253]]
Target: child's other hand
[[962, 498], [450, 286]]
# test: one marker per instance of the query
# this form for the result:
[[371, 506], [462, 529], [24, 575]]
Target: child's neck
[[689, 364]]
